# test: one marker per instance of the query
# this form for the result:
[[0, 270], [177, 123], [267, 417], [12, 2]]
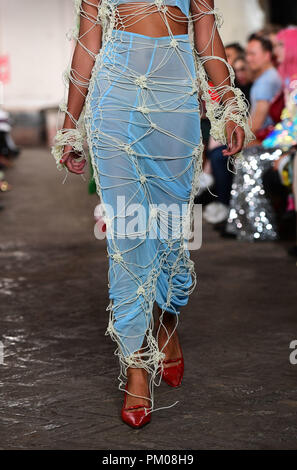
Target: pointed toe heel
[[173, 375], [134, 417]]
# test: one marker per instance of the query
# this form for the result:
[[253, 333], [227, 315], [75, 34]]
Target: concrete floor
[[59, 377]]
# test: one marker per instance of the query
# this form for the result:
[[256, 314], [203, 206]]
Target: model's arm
[[232, 112], [69, 139], [87, 47]]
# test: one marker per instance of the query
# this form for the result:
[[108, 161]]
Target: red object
[[213, 94], [275, 111], [261, 134], [4, 69], [99, 221], [277, 106], [136, 419], [290, 203], [173, 375]]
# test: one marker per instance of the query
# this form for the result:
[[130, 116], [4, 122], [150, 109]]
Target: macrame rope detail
[[141, 123]]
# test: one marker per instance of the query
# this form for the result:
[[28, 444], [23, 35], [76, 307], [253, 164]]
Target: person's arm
[[264, 94], [259, 115], [68, 142], [229, 116]]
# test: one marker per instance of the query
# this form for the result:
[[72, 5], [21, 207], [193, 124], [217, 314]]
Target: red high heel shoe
[[173, 375], [137, 418]]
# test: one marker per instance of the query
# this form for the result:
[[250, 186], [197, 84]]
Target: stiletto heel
[[173, 375], [137, 418]]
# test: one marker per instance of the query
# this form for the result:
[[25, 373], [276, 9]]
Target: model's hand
[[69, 159], [235, 139]]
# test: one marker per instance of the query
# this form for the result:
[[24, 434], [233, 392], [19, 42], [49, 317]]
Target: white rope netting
[[135, 99]]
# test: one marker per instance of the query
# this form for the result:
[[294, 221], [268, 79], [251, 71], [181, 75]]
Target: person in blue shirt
[[267, 82]]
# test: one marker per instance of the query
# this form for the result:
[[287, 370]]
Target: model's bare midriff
[[152, 24]]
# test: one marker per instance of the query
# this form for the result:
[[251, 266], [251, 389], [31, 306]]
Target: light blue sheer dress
[[143, 125]]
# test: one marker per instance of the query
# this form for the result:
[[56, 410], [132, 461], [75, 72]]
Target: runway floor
[[59, 377]]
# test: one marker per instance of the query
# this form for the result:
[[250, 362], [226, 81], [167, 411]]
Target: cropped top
[[183, 5]]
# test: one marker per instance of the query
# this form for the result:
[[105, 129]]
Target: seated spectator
[[217, 212], [243, 76], [286, 59], [267, 82], [269, 31], [262, 186], [233, 51]]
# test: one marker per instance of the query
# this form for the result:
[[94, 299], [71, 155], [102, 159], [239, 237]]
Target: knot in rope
[[117, 257], [141, 81], [173, 43], [140, 290], [143, 179]]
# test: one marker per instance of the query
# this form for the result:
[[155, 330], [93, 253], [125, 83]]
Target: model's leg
[[143, 153], [168, 339], [131, 272], [171, 187], [175, 282], [131, 276], [137, 385], [114, 124]]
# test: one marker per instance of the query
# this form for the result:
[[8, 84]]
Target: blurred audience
[[243, 75], [216, 212], [286, 59], [262, 202], [269, 32], [8, 150], [233, 51], [263, 71], [267, 82]]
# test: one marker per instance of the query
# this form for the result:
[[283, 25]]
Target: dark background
[[282, 12]]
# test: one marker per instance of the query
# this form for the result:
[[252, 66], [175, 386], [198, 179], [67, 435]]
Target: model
[[136, 77]]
